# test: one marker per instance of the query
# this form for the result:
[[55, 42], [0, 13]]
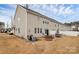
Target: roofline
[[41, 15]]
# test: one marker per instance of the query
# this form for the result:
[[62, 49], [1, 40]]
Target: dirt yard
[[11, 44]]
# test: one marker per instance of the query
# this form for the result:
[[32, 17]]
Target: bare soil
[[10, 44]]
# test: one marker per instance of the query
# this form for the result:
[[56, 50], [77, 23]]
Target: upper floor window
[[45, 22], [55, 25], [58, 25]]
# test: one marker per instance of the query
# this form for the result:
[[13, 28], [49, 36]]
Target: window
[[35, 30], [55, 25], [45, 22], [40, 30], [58, 25]]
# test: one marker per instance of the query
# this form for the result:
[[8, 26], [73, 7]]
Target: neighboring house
[[28, 22], [2, 27], [74, 25]]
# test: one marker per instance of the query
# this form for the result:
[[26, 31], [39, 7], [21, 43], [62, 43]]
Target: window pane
[[40, 30], [35, 30]]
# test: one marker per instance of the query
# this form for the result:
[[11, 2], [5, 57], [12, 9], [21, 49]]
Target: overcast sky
[[59, 12]]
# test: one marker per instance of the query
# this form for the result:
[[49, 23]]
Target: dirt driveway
[[15, 45]]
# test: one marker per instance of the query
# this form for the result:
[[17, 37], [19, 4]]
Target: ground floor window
[[40, 30], [35, 30]]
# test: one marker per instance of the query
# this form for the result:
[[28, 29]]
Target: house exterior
[[2, 27], [27, 22], [74, 25]]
